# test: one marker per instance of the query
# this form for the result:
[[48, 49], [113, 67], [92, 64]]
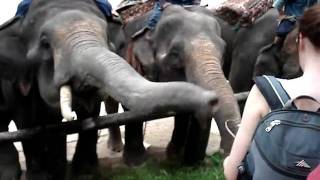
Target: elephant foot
[[115, 145], [10, 172], [82, 176], [37, 175], [174, 152], [84, 166], [134, 158], [9, 162]]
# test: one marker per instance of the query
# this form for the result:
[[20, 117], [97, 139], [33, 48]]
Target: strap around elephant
[[272, 91]]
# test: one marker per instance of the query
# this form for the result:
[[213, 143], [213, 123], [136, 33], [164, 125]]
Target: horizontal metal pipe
[[101, 122]]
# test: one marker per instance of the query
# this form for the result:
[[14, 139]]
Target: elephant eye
[[44, 41], [174, 54]]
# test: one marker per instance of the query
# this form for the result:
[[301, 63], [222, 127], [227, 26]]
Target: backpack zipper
[[277, 122], [273, 124]]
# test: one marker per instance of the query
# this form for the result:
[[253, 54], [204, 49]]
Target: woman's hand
[[230, 169]]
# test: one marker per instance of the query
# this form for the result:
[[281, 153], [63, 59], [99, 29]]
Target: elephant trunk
[[205, 70], [136, 93]]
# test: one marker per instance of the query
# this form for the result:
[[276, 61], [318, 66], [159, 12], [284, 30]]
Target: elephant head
[[187, 46], [245, 49], [280, 62], [67, 41]]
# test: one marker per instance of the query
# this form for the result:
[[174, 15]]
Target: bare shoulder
[[256, 102]]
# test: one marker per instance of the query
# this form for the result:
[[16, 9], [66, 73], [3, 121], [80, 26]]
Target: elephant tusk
[[65, 104]]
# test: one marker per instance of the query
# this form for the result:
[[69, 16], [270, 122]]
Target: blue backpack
[[286, 144]]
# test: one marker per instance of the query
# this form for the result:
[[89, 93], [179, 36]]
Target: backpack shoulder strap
[[272, 91]]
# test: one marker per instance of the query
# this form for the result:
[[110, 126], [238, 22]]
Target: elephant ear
[[290, 44], [140, 57], [116, 37], [12, 50], [13, 62]]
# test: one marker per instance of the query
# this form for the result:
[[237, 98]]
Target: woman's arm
[[256, 107]]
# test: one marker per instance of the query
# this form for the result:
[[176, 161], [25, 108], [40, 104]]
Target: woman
[[308, 43]]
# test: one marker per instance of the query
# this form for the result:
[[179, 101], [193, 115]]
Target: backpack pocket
[[288, 141]]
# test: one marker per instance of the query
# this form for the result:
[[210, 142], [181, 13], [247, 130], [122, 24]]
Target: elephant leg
[[85, 159], [46, 158], [114, 141], [197, 141], [55, 150], [46, 154], [179, 136], [9, 159], [34, 149], [134, 153], [56, 157], [35, 159]]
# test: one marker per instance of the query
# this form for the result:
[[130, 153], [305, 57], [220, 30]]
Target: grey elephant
[[245, 49], [279, 62], [185, 46], [73, 69]]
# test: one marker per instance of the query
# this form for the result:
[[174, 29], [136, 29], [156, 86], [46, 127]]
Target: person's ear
[[300, 42]]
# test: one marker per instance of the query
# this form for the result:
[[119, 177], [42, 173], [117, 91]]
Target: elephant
[[245, 49], [280, 62], [186, 45], [66, 47]]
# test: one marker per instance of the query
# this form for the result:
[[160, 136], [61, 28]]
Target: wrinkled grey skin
[[246, 47], [67, 43], [187, 46], [228, 34], [282, 63]]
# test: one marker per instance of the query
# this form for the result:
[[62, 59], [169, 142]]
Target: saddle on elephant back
[[130, 11], [243, 12]]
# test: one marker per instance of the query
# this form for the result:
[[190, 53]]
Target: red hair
[[310, 25]]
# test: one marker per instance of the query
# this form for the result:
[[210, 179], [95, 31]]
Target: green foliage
[[210, 170]]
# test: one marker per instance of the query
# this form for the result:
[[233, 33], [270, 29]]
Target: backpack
[[286, 144]]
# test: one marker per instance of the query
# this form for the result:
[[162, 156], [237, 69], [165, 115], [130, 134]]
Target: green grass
[[212, 170]]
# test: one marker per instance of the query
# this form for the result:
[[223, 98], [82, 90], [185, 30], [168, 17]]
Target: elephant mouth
[[82, 87]]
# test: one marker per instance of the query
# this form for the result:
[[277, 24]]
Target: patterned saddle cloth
[[133, 9], [103, 5], [243, 12]]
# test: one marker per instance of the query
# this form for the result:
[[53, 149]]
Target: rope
[[228, 129], [145, 129]]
